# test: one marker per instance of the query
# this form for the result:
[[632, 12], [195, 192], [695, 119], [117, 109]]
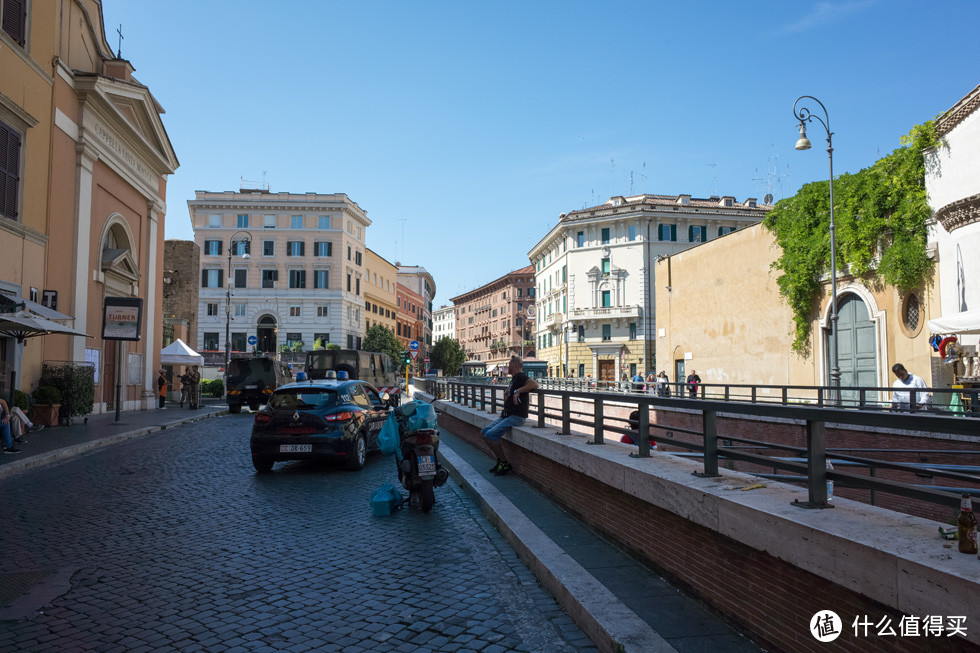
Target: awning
[[178, 353], [23, 325], [966, 322]]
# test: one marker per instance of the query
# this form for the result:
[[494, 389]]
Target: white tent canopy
[[967, 322], [178, 353]]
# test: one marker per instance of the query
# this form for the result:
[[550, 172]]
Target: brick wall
[[180, 296], [770, 599]]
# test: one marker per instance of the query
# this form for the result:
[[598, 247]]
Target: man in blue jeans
[[8, 441], [516, 404]]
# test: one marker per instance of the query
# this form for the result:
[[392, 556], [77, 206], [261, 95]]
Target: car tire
[[427, 497], [234, 409], [253, 407], [358, 454], [262, 465]]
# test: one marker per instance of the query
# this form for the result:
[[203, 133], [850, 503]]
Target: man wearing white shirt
[[901, 395]]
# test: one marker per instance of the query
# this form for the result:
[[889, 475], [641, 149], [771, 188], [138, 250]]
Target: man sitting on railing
[[905, 382], [517, 401]]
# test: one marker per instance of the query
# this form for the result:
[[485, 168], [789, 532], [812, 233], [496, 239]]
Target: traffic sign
[[414, 353], [426, 360], [252, 340], [414, 345]]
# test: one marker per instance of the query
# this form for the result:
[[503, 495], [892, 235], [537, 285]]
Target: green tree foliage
[[448, 355], [880, 216], [382, 339]]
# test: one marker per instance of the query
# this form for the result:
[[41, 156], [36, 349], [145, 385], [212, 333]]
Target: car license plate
[[252, 387], [427, 466], [295, 448]]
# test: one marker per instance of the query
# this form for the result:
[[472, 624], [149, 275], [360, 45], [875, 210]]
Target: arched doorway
[[266, 333], [857, 344]]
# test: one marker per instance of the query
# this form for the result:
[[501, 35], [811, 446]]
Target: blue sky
[[464, 129]]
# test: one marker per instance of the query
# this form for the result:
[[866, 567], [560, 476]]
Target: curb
[[65, 453], [611, 625]]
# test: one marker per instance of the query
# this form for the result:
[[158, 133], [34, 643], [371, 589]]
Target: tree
[[448, 355], [381, 339]]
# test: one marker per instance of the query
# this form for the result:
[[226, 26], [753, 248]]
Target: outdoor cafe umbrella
[[22, 325]]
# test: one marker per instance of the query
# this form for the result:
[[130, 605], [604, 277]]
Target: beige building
[[719, 312], [380, 291], [492, 321], [595, 277], [304, 277], [84, 181]]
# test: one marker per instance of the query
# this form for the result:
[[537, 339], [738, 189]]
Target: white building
[[594, 277], [953, 184], [302, 280], [443, 323]]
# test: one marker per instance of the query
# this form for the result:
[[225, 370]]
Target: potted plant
[[47, 405]]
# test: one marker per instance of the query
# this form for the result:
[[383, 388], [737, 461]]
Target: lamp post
[[246, 240], [804, 116]]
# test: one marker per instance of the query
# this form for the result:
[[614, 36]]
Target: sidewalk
[[57, 443]]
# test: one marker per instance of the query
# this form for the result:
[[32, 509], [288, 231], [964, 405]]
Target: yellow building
[[380, 291], [84, 193], [719, 312]]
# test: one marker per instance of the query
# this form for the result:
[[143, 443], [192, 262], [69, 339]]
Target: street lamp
[[804, 116], [246, 240]]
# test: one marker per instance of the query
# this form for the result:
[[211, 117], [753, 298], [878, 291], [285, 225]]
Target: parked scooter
[[418, 464]]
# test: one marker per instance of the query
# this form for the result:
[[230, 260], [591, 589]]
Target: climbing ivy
[[880, 215]]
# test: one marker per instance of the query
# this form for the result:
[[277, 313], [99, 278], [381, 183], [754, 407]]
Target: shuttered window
[[9, 171], [15, 20]]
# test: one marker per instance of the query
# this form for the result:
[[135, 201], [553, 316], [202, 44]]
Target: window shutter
[[9, 171], [302, 248], [15, 20], [275, 275], [204, 278], [221, 279]]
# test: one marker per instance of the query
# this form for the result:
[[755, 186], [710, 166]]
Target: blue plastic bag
[[388, 437], [424, 418], [386, 500]]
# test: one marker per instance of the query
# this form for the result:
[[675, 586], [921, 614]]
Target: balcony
[[607, 313]]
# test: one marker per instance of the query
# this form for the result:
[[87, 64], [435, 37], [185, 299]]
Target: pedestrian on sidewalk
[[693, 383], [20, 424], [907, 381], [517, 401], [663, 384], [185, 388], [8, 441], [195, 387], [162, 388]]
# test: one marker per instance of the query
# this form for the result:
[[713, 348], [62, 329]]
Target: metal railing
[[809, 462], [859, 397]]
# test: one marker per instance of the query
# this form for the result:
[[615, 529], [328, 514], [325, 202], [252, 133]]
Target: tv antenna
[[714, 178]]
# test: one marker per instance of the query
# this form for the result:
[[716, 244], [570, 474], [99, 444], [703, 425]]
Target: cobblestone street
[[172, 542]]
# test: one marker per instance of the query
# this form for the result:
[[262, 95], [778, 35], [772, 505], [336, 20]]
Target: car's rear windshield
[[250, 370], [303, 398]]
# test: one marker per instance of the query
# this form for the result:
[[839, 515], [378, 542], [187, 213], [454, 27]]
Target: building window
[[295, 248], [211, 340], [357, 258], [294, 339], [212, 309], [295, 311], [632, 232], [581, 370], [15, 20], [605, 236], [564, 274], [212, 248], [296, 222], [632, 370], [357, 286], [297, 278], [240, 310], [322, 311], [348, 283], [269, 278], [581, 333], [238, 341], [605, 266], [322, 248], [632, 330], [911, 313], [350, 341], [269, 222], [268, 248], [580, 239], [321, 339], [10, 143], [697, 233], [725, 230], [348, 253], [241, 278], [243, 220], [214, 220], [212, 278], [606, 332], [667, 232], [323, 222], [606, 299], [321, 278]]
